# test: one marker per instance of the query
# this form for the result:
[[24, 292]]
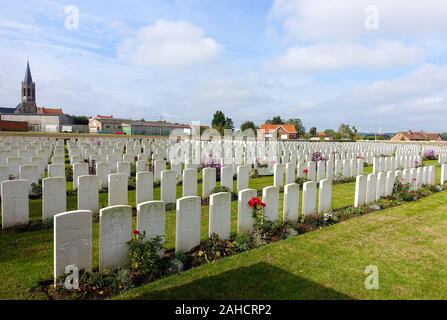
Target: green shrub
[[300, 181], [69, 174], [212, 249], [218, 189], [170, 206], [132, 183], [133, 169], [243, 242], [144, 255], [37, 189]]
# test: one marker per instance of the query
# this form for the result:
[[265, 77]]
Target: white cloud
[[344, 19], [345, 55], [167, 44]]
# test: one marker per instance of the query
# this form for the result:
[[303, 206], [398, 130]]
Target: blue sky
[[182, 60]]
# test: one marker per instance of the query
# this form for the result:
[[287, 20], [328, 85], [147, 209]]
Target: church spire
[[28, 79]]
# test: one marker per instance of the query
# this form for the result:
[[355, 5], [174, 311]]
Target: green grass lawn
[[27, 257]]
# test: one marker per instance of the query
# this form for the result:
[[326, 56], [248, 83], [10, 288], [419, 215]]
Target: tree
[[220, 122], [298, 124], [313, 132], [275, 120], [346, 132], [229, 124], [248, 125], [331, 133], [444, 136], [80, 119]]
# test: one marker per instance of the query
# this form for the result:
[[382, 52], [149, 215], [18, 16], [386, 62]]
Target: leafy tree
[[331, 133], [444, 136], [80, 119], [248, 125], [298, 124], [346, 132], [229, 124], [275, 120], [313, 132], [220, 122]]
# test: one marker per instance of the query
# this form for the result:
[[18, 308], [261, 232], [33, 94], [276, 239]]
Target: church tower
[[28, 104]]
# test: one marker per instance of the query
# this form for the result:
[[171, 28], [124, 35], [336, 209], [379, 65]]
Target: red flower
[[251, 202], [136, 232], [305, 170], [263, 204], [414, 179]]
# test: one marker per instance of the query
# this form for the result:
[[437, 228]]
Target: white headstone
[[56, 170], [115, 230], [123, 167], [189, 183], [168, 185], [242, 177], [159, 166], [15, 209], [187, 230], [208, 181], [151, 217], [88, 193], [79, 169], [278, 175], [371, 188], [245, 219], [117, 189], [29, 172], [226, 177], [54, 197], [220, 215], [360, 191], [270, 196], [325, 196], [144, 187], [309, 203], [72, 241], [291, 202]]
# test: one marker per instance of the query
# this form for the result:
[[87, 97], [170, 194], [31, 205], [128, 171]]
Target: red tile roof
[[290, 128], [419, 135], [44, 110]]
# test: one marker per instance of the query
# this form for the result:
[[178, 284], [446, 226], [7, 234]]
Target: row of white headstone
[[316, 170], [73, 230], [371, 188], [385, 164]]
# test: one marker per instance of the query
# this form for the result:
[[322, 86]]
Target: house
[[110, 125], [279, 131], [416, 136], [322, 136]]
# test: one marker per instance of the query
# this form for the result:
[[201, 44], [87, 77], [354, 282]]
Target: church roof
[[44, 110], [28, 79]]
